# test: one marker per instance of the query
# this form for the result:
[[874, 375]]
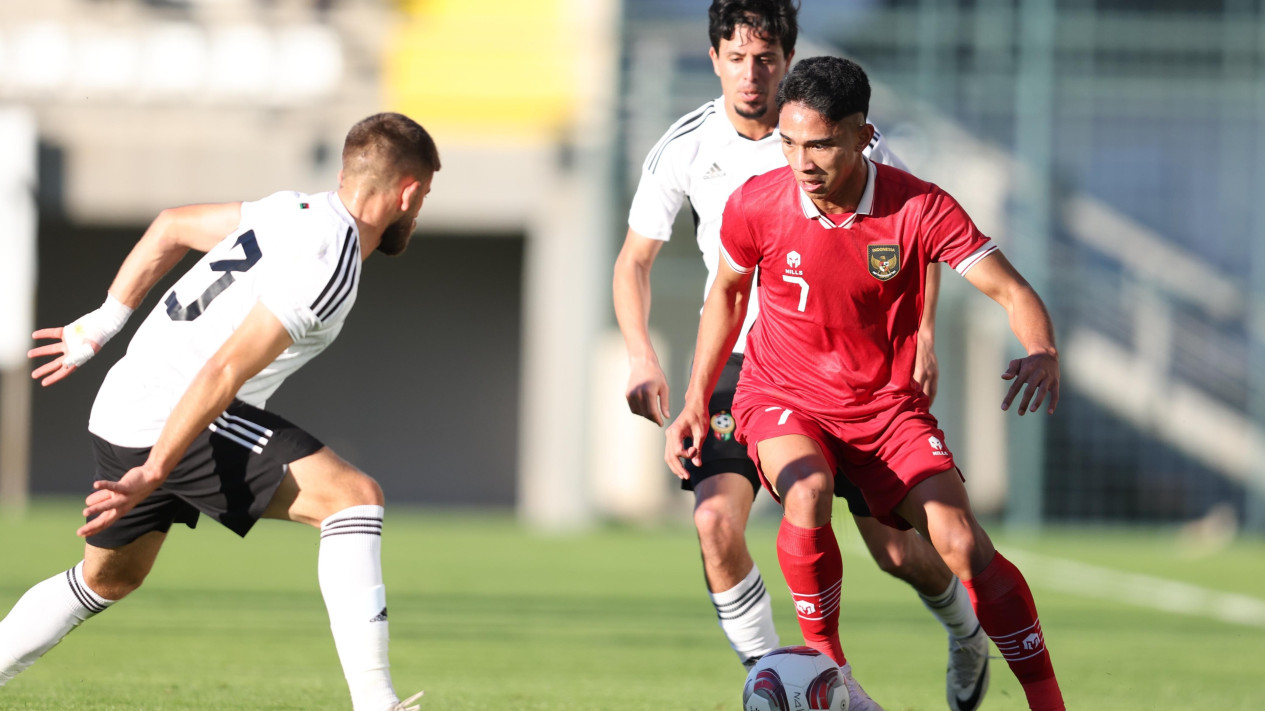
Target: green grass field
[[485, 615]]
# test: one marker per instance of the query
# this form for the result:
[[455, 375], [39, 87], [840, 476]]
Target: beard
[[396, 237], [752, 111]]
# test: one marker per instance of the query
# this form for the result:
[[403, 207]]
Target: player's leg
[[724, 488], [807, 549], [908, 556], [116, 562], [939, 507], [324, 491], [795, 463], [51, 609], [744, 609], [254, 464]]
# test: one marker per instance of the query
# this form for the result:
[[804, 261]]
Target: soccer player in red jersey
[[842, 246]]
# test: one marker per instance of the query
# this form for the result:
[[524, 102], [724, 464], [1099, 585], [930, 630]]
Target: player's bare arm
[[256, 343], [1031, 323], [169, 237], [647, 391], [718, 328], [926, 365]]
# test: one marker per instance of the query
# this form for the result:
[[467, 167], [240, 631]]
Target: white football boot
[[858, 700], [967, 676]]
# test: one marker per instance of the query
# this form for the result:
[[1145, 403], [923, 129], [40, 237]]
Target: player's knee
[[363, 490], [894, 562], [958, 547], [114, 584], [718, 524], [809, 497]]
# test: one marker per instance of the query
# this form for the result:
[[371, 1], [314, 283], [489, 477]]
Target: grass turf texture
[[485, 615]]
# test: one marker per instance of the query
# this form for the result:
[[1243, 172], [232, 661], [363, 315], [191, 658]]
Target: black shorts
[[722, 453], [230, 473]]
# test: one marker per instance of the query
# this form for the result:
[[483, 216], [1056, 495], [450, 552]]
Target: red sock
[[813, 569], [1005, 609]]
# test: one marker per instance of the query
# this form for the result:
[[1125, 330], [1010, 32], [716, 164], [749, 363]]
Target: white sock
[[745, 612], [42, 617], [349, 568], [953, 608]]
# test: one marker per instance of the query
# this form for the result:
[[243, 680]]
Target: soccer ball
[[795, 679]]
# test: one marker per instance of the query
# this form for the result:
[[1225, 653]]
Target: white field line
[[1085, 580]]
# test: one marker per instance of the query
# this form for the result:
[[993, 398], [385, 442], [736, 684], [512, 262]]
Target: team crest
[[884, 260], [723, 425]]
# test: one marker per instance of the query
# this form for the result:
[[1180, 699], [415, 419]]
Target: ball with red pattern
[[795, 679]]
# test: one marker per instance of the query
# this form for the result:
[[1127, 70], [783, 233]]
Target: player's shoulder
[[274, 204], [901, 181], [689, 123], [299, 223], [683, 137], [292, 205], [767, 184], [764, 191], [906, 191]]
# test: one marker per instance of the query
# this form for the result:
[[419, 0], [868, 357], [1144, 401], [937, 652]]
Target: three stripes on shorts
[[242, 431]]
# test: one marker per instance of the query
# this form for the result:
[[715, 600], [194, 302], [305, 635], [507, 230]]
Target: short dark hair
[[388, 145], [832, 86], [774, 19]]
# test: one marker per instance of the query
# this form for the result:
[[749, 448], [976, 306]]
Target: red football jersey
[[841, 295]]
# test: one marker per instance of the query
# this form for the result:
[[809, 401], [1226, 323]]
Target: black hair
[[773, 19], [832, 86]]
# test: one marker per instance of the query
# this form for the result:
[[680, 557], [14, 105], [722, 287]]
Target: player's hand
[[111, 500], [648, 392], [927, 368], [68, 351], [79, 340], [685, 438], [1040, 373]]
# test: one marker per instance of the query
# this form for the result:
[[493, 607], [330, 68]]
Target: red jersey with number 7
[[842, 295]]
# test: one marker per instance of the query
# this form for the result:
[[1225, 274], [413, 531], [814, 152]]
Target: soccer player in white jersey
[[178, 427], [704, 157]]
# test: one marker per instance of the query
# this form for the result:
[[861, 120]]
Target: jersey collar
[[864, 205]]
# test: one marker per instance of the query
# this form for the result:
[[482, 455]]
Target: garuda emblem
[[883, 260]]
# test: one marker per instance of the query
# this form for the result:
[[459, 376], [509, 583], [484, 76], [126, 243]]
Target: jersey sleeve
[[950, 235], [664, 182], [311, 281], [737, 241]]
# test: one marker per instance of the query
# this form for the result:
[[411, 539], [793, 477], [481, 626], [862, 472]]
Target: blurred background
[[1115, 149]]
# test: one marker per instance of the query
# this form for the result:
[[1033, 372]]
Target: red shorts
[[884, 456]]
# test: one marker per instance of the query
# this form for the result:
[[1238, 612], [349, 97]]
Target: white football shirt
[[702, 157], [298, 255]]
